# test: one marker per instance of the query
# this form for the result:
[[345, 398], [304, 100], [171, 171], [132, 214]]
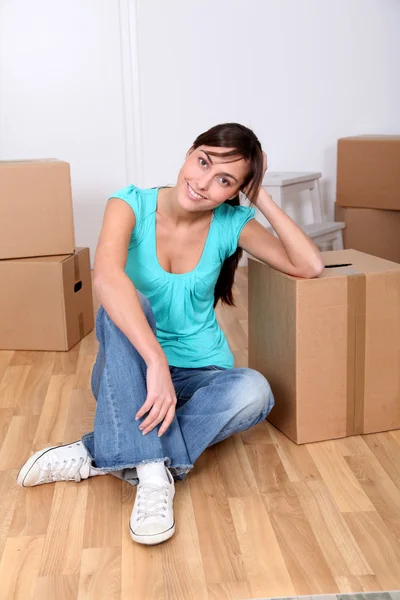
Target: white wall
[[301, 73], [61, 95]]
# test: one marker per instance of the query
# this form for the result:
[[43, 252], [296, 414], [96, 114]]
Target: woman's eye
[[204, 163]]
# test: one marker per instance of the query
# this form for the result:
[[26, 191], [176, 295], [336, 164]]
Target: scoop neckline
[[206, 243]]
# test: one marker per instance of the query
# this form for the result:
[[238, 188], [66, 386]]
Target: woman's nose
[[204, 182]]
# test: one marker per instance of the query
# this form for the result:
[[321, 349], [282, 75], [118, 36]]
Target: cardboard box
[[329, 346], [373, 231], [368, 172], [36, 217], [46, 302]]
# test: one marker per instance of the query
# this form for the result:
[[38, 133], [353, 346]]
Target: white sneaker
[[70, 462], [152, 519]]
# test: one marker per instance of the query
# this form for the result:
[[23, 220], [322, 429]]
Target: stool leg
[[316, 202], [337, 243]]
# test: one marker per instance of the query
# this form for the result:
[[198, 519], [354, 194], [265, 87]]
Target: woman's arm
[[114, 289], [120, 299], [293, 252]]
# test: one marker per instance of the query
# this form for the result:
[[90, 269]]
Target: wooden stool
[[281, 185]]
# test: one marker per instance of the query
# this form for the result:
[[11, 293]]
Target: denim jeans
[[212, 404]]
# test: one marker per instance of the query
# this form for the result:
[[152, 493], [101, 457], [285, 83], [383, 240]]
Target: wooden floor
[[258, 516]]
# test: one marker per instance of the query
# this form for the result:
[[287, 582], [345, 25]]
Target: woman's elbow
[[314, 269]]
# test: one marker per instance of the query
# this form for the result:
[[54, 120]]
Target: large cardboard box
[[373, 231], [36, 217], [46, 303], [368, 172], [329, 346]]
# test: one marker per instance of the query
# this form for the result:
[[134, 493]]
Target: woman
[[164, 380]]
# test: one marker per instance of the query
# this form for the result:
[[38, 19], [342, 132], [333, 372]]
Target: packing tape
[[77, 278], [359, 397], [356, 331], [81, 326], [76, 267]]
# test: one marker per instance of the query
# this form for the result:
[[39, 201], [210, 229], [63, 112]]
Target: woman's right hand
[[161, 398]]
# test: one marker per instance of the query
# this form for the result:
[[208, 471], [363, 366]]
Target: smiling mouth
[[193, 194]]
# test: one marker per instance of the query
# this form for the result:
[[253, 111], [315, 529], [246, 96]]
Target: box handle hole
[[77, 286], [334, 266]]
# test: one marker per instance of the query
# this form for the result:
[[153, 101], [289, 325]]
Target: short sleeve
[[236, 218], [131, 195]]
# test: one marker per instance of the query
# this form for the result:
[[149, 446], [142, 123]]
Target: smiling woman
[[220, 163], [165, 257]]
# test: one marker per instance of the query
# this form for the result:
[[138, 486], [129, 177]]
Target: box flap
[[39, 259], [45, 259], [28, 162], [373, 138], [340, 263]]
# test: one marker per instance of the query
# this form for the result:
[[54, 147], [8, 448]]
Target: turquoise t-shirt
[[187, 328]]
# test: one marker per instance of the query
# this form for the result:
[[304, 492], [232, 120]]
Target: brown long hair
[[245, 145]]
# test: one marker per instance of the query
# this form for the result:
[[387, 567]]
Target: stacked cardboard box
[[46, 289], [329, 346], [368, 194]]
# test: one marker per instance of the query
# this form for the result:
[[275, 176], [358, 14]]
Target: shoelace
[[155, 499], [67, 470]]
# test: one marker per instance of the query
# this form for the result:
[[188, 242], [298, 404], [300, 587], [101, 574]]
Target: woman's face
[[206, 181]]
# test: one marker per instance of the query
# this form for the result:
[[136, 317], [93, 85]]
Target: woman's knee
[[256, 392]]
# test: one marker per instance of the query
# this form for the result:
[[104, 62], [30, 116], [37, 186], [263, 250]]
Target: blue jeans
[[212, 404]]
